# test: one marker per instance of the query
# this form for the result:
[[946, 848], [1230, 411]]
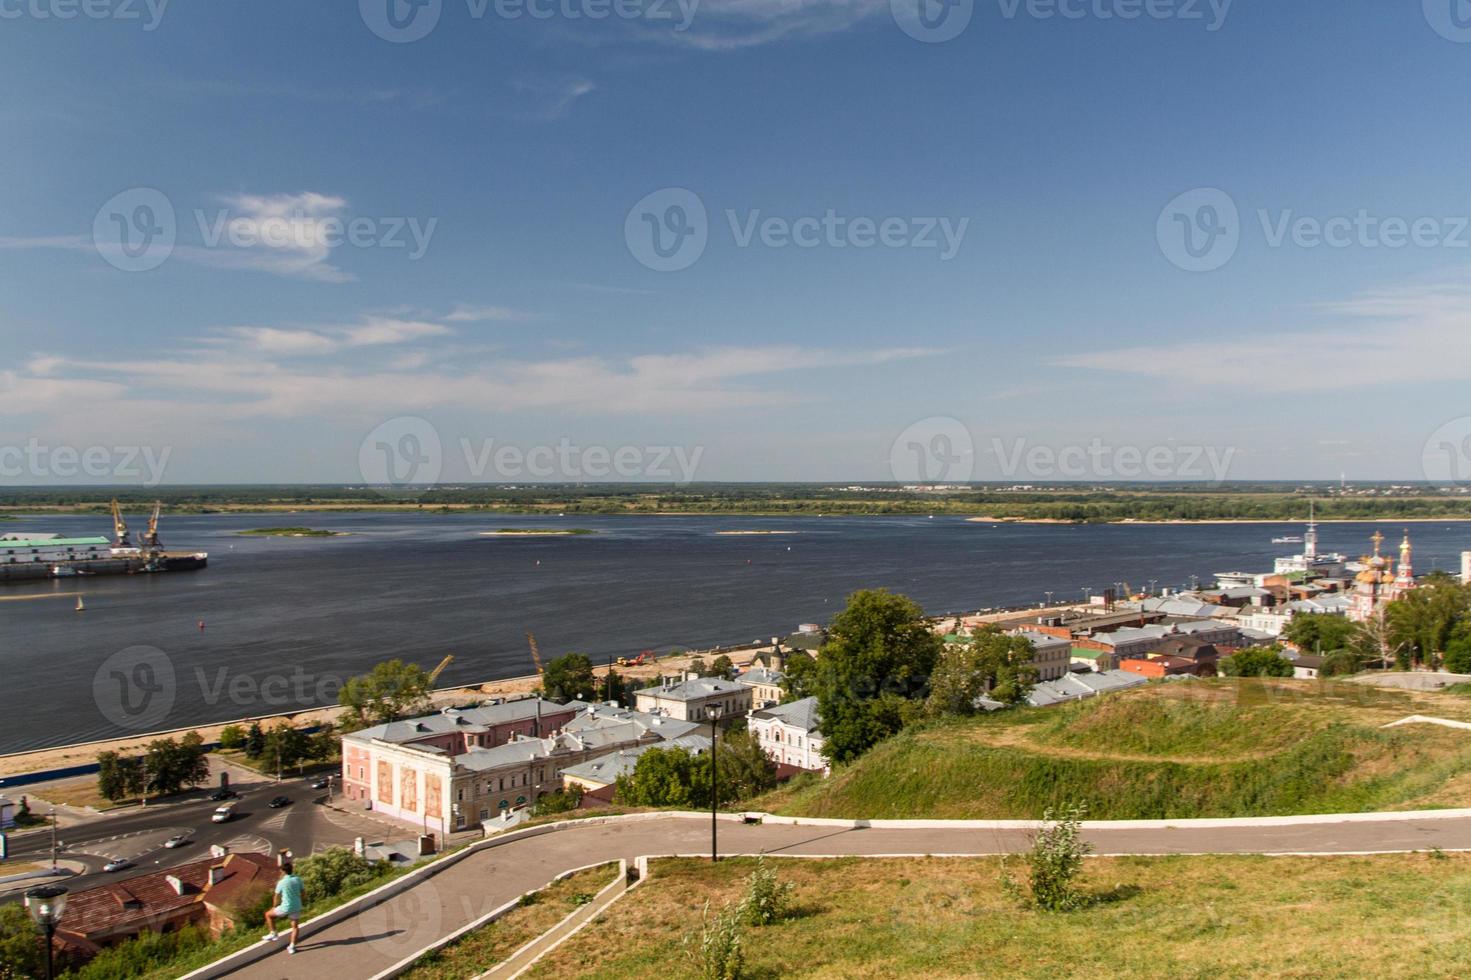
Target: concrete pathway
[[365, 943]]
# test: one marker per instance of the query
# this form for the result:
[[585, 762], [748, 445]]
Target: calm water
[[286, 618]]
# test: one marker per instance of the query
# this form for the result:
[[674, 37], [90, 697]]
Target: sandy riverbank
[[64, 756]]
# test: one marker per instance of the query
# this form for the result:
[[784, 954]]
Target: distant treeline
[[1139, 502]]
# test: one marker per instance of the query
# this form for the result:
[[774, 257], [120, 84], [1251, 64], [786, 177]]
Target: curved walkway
[[362, 942]]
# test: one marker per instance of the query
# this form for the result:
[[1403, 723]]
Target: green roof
[[1085, 654], [51, 542]]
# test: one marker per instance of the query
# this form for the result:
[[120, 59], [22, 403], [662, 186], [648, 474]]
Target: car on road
[[117, 864], [322, 783], [223, 814], [278, 802], [178, 840], [223, 794]]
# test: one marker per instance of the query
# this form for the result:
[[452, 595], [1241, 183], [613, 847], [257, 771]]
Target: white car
[[117, 864], [178, 840], [223, 814]]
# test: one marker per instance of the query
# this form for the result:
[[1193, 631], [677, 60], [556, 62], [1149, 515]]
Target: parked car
[[178, 840], [223, 794], [117, 864], [279, 802], [322, 783], [223, 814]]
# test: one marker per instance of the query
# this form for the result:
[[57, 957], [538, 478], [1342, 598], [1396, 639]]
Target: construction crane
[[535, 654], [434, 674], [150, 539], [119, 526]]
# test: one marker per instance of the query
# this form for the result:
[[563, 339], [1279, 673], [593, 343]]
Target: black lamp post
[[713, 712], [45, 904]]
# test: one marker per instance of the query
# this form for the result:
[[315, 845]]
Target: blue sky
[[1056, 315]]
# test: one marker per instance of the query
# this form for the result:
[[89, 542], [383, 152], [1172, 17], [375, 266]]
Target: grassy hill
[[1398, 915], [1217, 748]]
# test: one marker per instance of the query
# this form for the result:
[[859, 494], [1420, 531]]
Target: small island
[[291, 532], [552, 531], [740, 534]]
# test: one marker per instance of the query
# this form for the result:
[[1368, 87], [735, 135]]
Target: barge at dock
[[27, 557]]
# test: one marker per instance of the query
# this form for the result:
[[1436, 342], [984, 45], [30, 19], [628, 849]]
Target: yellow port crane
[[150, 539], [434, 674], [535, 654], [120, 526]]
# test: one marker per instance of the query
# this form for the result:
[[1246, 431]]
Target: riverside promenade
[[371, 935]]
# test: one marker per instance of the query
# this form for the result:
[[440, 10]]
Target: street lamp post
[[713, 712], [45, 904], [52, 813]]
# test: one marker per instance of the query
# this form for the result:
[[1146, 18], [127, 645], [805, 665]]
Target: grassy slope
[[1382, 916], [1196, 749], [484, 948]]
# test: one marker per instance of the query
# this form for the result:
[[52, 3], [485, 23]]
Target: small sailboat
[[81, 606]]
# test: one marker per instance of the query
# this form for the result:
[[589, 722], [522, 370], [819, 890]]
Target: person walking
[[288, 905]]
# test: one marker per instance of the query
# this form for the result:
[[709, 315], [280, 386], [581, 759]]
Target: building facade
[[1378, 584], [691, 700], [790, 735]]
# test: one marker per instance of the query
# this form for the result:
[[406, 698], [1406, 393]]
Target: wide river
[[286, 619]]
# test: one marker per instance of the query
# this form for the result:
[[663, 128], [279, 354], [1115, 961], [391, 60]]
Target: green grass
[[1201, 749], [1392, 916], [484, 948]]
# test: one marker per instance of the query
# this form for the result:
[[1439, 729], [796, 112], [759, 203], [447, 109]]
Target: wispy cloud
[[486, 314], [1376, 338]]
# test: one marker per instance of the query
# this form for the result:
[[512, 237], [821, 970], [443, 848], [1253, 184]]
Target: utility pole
[[52, 813], [713, 713]]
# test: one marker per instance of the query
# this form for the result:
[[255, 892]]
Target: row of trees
[[1429, 627], [674, 777], [281, 745], [166, 766]]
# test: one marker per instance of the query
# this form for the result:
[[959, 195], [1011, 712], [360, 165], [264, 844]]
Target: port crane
[[150, 538], [434, 674], [120, 526], [535, 654]]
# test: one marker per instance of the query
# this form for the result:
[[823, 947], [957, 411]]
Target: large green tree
[[390, 691], [873, 672], [661, 777], [990, 663], [1257, 662], [569, 677], [1423, 622], [21, 952], [1319, 632]]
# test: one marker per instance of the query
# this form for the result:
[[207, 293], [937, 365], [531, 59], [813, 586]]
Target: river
[[286, 619]]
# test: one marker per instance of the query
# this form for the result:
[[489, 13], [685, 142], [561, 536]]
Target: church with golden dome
[[1380, 584]]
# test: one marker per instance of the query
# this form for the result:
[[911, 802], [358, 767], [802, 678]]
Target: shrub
[[232, 737], [335, 870], [561, 801], [145, 953], [716, 949], [766, 899], [1055, 860]]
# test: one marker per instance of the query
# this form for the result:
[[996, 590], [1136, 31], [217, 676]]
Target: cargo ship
[[27, 557]]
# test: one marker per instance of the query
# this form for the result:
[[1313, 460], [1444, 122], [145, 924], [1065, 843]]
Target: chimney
[[176, 884], [216, 874], [218, 850]]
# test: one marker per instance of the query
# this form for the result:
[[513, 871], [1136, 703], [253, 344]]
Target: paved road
[[139, 835], [377, 938]]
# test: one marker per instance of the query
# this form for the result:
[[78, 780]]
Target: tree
[[21, 952], [569, 677], [1423, 621], [1257, 662], [171, 765], [612, 687], [873, 672], [324, 744], [1056, 860], [661, 777], [1314, 632], [390, 691], [335, 870], [990, 663], [255, 741], [798, 676], [232, 737], [744, 770], [119, 777], [285, 747], [1341, 663], [1458, 650], [723, 667]]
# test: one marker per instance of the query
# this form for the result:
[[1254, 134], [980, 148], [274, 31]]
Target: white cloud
[[1401, 335], [373, 331], [485, 314], [720, 25]]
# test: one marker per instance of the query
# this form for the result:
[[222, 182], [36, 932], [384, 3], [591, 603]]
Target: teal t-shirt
[[288, 891]]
